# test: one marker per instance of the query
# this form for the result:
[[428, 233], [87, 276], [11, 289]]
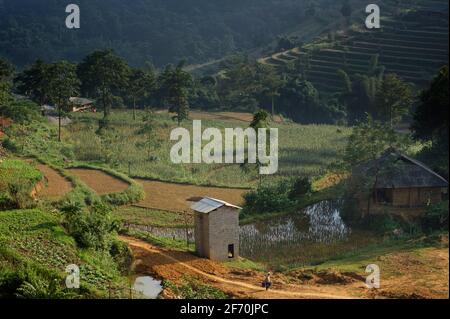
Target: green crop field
[[303, 149], [11, 170]]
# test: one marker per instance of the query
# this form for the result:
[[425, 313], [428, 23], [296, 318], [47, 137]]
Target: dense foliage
[[160, 31], [431, 122]]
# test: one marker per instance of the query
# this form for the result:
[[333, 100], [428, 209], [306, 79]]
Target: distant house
[[76, 104], [48, 109], [399, 182], [216, 229], [79, 104]]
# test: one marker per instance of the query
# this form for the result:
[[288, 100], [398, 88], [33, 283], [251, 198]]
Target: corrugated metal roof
[[208, 204]]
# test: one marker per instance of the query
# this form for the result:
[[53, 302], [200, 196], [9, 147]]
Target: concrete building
[[216, 229]]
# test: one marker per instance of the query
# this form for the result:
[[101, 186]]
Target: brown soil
[[99, 181], [173, 265], [55, 185], [226, 116], [179, 197], [420, 274], [414, 274], [329, 277]]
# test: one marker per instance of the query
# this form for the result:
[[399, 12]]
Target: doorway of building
[[231, 251]]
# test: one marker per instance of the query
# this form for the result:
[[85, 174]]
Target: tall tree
[[6, 72], [360, 90], [393, 99], [370, 139], [62, 83], [260, 120], [431, 117], [271, 83], [431, 122], [299, 100], [141, 84], [103, 75], [174, 85], [32, 82]]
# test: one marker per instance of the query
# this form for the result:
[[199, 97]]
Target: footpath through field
[[173, 265]]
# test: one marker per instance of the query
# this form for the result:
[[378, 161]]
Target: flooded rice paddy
[[311, 235]]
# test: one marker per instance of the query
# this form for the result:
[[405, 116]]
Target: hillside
[[161, 31], [412, 42]]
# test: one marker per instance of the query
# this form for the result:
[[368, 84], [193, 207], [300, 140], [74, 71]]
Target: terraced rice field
[[99, 181], [413, 45]]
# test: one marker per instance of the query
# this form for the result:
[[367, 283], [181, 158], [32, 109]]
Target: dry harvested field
[[56, 185], [159, 195], [178, 197], [99, 181], [225, 116]]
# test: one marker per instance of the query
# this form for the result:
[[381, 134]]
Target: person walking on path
[[267, 281]]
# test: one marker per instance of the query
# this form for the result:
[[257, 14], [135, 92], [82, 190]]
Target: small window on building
[[383, 196], [231, 251]]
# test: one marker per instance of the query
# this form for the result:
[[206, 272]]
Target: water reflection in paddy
[[306, 235], [318, 223]]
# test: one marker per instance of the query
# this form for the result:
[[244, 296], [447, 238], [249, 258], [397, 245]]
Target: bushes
[[436, 217], [90, 226], [302, 186], [132, 194], [122, 255], [268, 198], [274, 198], [21, 111]]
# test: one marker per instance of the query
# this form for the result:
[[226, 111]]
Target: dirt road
[[172, 265]]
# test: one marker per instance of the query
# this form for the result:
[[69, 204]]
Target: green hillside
[[159, 31], [35, 250], [412, 43]]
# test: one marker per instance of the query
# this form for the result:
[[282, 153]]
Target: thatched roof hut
[[401, 181]]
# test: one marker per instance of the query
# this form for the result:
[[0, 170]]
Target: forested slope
[[161, 31]]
